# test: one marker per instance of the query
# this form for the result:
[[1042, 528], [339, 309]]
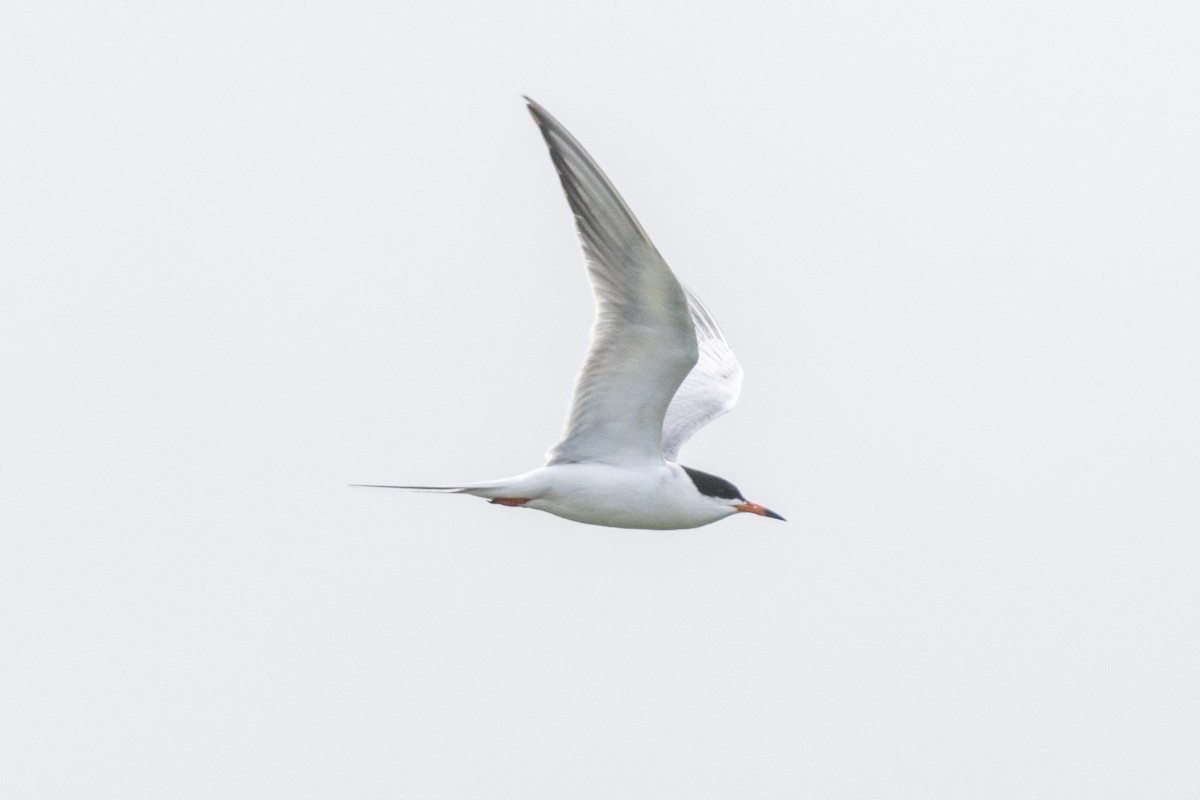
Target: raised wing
[[710, 389], [643, 339]]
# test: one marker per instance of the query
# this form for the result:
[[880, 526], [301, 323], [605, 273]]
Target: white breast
[[657, 497]]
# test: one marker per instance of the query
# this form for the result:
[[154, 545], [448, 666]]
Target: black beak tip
[[769, 513]]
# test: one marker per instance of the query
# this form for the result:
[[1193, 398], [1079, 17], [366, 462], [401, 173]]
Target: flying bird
[[658, 369]]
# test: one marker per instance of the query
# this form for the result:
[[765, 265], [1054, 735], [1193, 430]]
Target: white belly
[[659, 497]]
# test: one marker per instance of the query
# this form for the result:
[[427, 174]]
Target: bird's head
[[724, 493]]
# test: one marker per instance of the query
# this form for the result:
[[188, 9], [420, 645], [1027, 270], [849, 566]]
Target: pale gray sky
[[253, 252]]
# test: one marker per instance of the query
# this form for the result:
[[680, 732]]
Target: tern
[[658, 369]]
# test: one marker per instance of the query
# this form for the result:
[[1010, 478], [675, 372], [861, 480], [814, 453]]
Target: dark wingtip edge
[[539, 114]]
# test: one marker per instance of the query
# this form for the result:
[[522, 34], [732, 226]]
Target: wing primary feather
[[643, 340]]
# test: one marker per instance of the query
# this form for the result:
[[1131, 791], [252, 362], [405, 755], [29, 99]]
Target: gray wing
[[643, 339], [710, 389]]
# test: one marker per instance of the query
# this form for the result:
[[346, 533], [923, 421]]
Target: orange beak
[[755, 508]]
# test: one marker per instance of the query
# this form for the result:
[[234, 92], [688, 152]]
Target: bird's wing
[[643, 339], [710, 389]]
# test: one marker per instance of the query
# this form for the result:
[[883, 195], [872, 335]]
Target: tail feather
[[488, 489], [444, 489]]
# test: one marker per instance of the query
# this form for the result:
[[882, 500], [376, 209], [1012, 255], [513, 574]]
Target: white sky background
[[253, 252]]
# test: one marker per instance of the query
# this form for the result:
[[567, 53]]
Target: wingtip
[[536, 111]]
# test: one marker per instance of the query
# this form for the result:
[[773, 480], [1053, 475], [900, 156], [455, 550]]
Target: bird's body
[[657, 495], [658, 370]]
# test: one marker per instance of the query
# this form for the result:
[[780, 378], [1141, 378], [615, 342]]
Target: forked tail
[[443, 489], [489, 489]]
